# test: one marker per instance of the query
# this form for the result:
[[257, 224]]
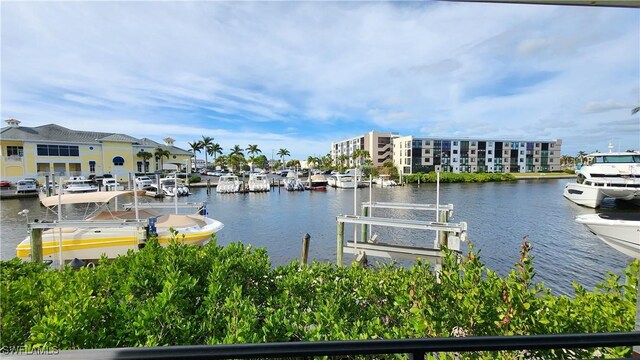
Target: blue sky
[[299, 75]]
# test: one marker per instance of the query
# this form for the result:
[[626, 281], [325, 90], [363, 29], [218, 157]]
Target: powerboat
[[385, 181], [613, 174], [341, 181], [79, 184], [621, 231], [88, 242], [228, 184], [259, 183], [292, 183], [171, 187], [317, 182]]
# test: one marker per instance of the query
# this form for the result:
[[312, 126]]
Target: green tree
[[261, 161], [236, 161], [206, 143], [253, 151], [222, 161], [237, 150], [214, 150], [145, 156], [195, 146], [282, 153], [161, 153]]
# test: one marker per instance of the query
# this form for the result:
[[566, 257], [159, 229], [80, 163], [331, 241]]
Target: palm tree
[[221, 161], [195, 146], [206, 143], [237, 150], [159, 154], [145, 155], [342, 158], [252, 150], [214, 150], [282, 153]]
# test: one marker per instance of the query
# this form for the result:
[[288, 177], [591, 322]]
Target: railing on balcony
[[414, 348], [13, 158]]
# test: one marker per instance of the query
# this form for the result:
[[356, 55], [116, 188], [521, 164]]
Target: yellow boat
[[91, 243]]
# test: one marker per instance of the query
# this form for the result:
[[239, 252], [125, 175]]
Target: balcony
[[12, 158]]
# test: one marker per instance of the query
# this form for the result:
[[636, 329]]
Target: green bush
[[459, 177], [194, 179], [188, 295]]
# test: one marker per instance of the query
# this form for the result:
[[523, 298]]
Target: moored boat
[[79, 184], [259, 183], [90, 243], [619, 230], [613, 174], [228, 184], [341, 181]]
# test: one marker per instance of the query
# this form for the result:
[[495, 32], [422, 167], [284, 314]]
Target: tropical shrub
[[188, 295], [194, 179], [458, 177]]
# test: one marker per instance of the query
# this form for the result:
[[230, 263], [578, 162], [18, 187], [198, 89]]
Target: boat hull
[[622, 235], [93, 243], [585, 195]]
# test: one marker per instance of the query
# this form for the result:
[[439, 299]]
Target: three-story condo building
[[33, 152]]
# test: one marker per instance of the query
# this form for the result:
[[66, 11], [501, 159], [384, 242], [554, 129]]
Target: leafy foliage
[[458, 178], [183, 295]]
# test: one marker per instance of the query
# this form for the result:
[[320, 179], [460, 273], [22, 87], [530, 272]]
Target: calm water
[[499, 216]]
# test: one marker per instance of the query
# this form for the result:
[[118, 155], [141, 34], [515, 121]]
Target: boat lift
[[448, 234]]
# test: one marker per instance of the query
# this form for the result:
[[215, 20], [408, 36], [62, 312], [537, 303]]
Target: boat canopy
[[101, 197]]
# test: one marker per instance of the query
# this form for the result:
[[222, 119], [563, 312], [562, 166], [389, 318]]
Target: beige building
[[376, 143]]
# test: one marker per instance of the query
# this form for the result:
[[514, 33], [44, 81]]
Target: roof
[[120, 138], [50, 132]]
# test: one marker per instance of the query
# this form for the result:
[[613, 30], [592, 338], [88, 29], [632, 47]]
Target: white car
[[26, 185], [143, 181], [110, 184]]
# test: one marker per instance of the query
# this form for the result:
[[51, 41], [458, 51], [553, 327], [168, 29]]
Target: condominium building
[[34, 152], [376, 143], [422, 154]]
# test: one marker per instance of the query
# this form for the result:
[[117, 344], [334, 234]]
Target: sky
[[299, 75]]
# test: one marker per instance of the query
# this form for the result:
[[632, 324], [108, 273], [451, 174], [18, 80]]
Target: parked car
[[143, 181], [26, 185], [5, 183], [110, 184]]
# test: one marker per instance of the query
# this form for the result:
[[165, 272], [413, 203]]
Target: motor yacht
[[619, 230], [292, 182], [341, 181], [613, 174]]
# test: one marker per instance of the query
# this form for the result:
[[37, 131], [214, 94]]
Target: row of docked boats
[[614, 175]]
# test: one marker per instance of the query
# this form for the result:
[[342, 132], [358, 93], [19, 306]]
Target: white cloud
[[249, 71]]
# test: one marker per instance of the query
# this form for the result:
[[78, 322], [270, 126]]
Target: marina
[[498, 215]]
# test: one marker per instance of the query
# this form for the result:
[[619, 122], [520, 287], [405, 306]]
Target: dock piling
[[339, 243], [208, 186], [364, 233], [36, 245], [305, 248]]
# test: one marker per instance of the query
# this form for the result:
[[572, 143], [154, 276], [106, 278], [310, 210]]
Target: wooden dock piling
[[339, 243], [36, 245], [364, 230], [305, 249], [208, 186]]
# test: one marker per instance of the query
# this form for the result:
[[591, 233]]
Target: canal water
[[499, 217]]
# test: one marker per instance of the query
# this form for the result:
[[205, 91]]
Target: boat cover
[[84, 198]]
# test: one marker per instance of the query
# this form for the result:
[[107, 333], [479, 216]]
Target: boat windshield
[[617, 159]]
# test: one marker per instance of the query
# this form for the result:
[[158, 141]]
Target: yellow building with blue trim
[[33, 152]]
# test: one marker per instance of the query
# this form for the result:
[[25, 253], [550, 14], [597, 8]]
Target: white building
[[376, 143]]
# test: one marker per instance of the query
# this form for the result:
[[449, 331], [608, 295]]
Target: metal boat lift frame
[[455, 232]]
